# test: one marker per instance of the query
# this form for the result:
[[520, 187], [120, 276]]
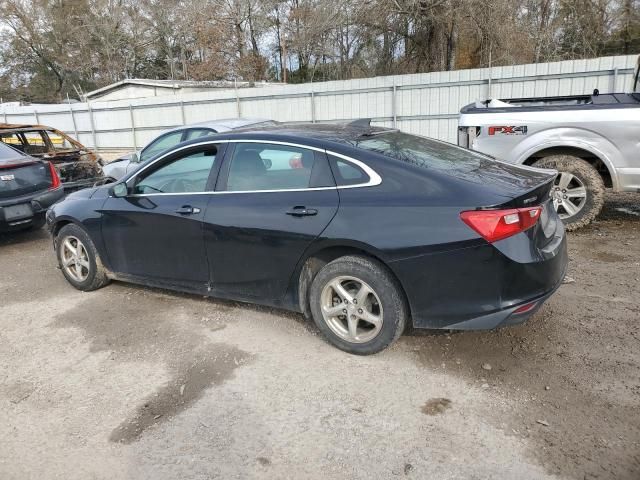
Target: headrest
[[248, 162]]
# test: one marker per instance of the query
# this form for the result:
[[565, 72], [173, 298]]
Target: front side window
[[189, 173], [161, 144], [263, 166]]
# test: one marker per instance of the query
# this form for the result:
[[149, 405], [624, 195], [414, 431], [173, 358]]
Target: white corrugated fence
[[425, 103]]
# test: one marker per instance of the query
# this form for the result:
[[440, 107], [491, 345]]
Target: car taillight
[[55, 179], [494, 225]]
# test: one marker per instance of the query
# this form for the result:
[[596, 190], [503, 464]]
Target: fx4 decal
[[520, 130]]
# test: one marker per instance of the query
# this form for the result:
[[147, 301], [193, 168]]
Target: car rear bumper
[[37, 203], [509, 316], [480, 287]]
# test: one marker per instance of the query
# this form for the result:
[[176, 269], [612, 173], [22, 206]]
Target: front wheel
[[358, 305], [578, 193], [79, 260]]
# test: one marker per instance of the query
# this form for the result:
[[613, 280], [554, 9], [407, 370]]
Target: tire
[[93, 274], [584, 174], [386, 302]]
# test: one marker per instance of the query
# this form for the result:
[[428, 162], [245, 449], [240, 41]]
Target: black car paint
[[39, 200], [244, 246]]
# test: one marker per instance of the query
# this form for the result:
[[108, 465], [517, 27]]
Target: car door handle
[[187, 210], [302, 212]]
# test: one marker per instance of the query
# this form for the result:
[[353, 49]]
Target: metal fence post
[[313, 108], [133, 128], [394, 105], [73, 120], [615, 80], [35, 112], [184, 120], [238, 110], [93, 129]]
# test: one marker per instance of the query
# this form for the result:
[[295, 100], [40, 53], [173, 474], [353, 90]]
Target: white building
[[143, 88]]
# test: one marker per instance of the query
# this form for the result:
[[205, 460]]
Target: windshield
[[6, 152]]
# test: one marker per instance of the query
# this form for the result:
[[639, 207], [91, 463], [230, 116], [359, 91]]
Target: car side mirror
[[135, 157], [119, 190]]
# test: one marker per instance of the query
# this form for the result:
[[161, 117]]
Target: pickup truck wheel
[[578, 193]]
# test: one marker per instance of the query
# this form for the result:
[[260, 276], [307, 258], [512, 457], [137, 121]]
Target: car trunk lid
[[22, 177]]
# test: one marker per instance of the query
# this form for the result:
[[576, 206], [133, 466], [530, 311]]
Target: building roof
[[170, 84]]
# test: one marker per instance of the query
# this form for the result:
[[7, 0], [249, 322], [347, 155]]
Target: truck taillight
[[55, 179], [494, 225]]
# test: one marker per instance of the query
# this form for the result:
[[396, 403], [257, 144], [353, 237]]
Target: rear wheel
[[578, 193], [358, 305], [79, 259]]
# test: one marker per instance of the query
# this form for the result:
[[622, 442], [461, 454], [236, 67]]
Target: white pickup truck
[[592, 140]]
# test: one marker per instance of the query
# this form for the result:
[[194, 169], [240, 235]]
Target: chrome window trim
[[374, 178]]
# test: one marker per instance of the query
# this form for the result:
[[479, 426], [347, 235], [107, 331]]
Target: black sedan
[[364, 229], [28, 186]]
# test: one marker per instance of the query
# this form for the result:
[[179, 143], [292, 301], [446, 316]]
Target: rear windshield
[[24, 179], [7, 153], [423, 152]]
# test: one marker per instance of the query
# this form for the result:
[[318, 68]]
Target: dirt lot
[[128, 382]]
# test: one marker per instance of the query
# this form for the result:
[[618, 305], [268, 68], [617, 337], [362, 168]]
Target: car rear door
[[155, 231], [272, 201]]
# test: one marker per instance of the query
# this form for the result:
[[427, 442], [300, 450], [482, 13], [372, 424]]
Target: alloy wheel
[[75, 260], [569, 195], [351, 309]]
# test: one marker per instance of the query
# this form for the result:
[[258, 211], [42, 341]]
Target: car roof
[[330, 132], [18, 127], [221, 125]]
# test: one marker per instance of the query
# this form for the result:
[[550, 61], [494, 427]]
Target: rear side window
[[60, 142], [263, 166], [423, 152], [346, 173], [36, 142], [24, 179]]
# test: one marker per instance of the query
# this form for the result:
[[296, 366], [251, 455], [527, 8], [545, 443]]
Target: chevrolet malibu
[[362, 229]]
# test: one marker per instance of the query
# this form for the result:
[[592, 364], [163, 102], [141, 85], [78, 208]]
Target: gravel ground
[[129, 382]]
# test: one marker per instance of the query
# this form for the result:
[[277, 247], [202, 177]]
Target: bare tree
[[51, 48]]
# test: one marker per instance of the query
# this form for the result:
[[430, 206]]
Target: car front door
[[272, 201], [155, 231]]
